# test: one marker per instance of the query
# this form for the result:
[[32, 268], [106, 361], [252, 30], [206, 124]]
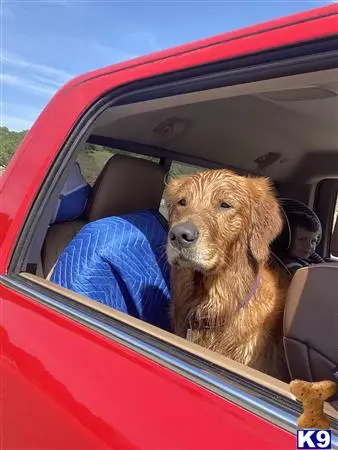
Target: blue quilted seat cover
[[120, 262]]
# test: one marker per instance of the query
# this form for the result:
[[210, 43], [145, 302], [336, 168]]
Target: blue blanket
[[120, 261]]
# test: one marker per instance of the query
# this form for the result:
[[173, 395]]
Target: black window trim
[[156, 152]]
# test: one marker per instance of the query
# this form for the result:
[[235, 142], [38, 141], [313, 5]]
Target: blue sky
[[45, 43]]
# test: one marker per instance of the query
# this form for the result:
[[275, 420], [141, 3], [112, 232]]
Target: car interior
[[283, 128]]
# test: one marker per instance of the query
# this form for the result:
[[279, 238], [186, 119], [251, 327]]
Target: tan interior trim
[[334, 238], [253, 88], [264, 380], [50, 273]]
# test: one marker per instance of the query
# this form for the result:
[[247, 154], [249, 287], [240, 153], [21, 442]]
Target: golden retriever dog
[[226, 294]]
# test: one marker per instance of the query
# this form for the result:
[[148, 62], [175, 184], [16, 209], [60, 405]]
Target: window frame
[[334, 232], [325, 200]]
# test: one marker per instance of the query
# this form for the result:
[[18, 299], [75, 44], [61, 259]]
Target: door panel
[[69, 387]]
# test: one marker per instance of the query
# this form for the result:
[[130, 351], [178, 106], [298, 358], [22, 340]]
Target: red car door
[[66, 385]]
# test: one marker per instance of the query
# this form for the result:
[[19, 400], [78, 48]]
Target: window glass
[[181, 169], [93, 158]]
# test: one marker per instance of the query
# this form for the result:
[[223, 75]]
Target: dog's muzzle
[[183, 235]]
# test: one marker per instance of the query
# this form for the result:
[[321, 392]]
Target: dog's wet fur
[[221, 226]]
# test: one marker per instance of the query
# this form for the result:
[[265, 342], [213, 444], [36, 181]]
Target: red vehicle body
[[67, 385]]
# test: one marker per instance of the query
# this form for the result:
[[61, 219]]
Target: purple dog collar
[[251, 293]]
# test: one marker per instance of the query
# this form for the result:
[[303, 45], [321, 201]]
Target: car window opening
[[114, 198]]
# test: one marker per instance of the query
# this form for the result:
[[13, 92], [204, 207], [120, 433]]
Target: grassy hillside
[[9, 142], [91, 159]]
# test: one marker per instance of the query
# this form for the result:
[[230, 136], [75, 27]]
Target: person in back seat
[[305, 235]]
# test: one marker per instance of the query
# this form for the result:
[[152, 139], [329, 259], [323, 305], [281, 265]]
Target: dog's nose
[[183, 235]]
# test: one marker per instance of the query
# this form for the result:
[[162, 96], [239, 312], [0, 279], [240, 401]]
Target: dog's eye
[[182, 202], [225, 205]]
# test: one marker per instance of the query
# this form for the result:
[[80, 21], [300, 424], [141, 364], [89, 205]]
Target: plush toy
[[312, 397]]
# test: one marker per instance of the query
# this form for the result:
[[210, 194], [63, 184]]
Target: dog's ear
[[266, 218]]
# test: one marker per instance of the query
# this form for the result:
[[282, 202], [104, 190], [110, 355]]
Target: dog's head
[[216, 214]]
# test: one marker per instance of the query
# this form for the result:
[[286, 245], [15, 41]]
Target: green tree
[[9, 142], [91, 159]]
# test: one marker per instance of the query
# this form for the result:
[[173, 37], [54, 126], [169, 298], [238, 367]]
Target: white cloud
[[54, 83], [39, 79], [27, 85], [17, 117], [15, 123], [17, 61]]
